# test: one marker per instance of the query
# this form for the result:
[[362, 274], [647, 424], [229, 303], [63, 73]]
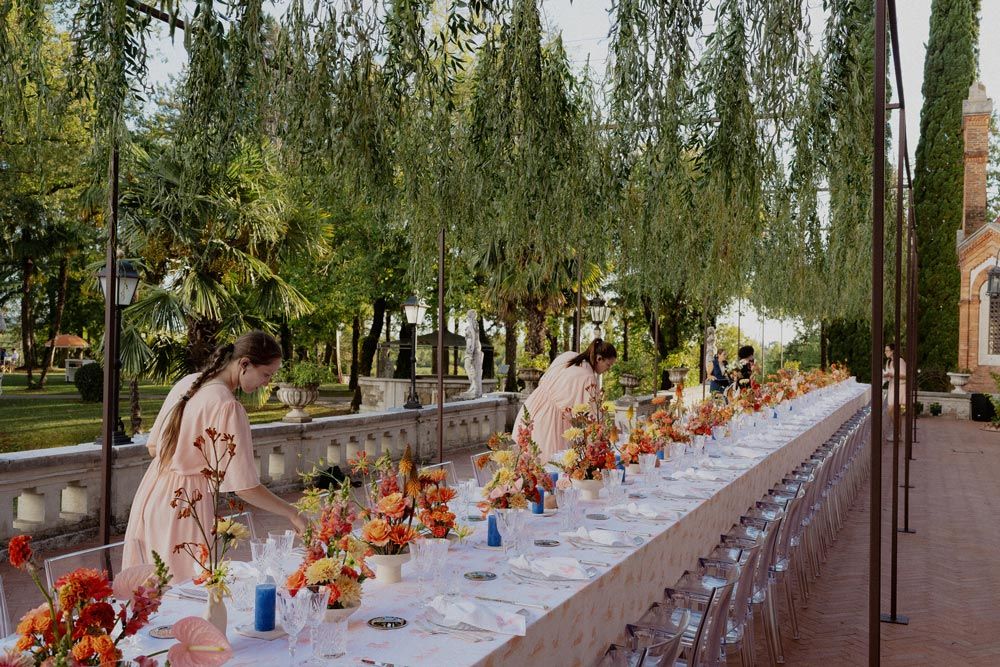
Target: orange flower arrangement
[[78, 623], [435, 494], [335, 558], [519, 471], [591, 438], [388, 519]]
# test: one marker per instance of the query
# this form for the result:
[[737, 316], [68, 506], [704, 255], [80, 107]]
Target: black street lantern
[[414, 309], [993, 279], [598, 313], [128, 282]]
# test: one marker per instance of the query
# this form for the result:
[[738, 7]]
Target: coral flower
[[376, 532], [393, 506], [19, 550], [200, 644]]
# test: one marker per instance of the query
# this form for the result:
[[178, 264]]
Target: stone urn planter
[[958, 381], [628, 382], [296, 399], [530, 377], [678, 374]]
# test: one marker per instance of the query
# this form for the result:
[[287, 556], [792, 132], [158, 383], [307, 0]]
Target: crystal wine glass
[[295, 609], [314, 619]]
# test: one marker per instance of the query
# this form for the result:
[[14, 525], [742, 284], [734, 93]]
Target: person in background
[[718, 379], [745, 366], [198, 402], [567, 382], [888, 373]]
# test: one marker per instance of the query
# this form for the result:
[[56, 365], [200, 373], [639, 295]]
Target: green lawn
[[29, 420]]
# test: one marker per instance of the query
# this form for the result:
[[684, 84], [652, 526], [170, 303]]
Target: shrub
[[539, 361], [302, 374], [89, 381], [935, 409]]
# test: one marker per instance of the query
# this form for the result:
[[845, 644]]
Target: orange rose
[[376, 532], [19, 550], [393, 505], [296, 580]]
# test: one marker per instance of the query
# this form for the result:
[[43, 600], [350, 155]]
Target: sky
[[585, 24]]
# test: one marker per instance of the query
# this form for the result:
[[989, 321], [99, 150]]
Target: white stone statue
[[709, 349], [473, 356]]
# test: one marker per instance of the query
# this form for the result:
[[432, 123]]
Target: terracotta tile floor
[[948, 584]]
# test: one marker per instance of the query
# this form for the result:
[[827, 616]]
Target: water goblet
[[508, 522], [294, 609], [262, 553], [314, 619], [647, 469], [283, 540]]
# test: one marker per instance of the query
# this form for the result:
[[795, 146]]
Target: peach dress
[[561, 387], [152, 524]]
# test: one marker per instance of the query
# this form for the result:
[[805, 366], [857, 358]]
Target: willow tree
[[529, 141]]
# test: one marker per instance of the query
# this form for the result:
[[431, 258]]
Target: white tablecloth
[[584, 617]]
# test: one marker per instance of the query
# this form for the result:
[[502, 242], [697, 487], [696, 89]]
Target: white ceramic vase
[[589, 488], [215, 611], [388, 568]]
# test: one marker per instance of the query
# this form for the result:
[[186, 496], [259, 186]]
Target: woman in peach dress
[[567, 382], [198, 402]]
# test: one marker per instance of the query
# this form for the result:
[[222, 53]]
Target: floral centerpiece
[[79, 624], [644, 438], [519, 470], [432, 502], [591, 436], [388, 519], [335, 557], [218, 534], [666, 427]]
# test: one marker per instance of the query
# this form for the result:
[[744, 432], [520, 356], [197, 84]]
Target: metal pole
[[578, 316], [893, 616], [911, 362], [878, 222], [110, 348], [625, 337], [440, 345]]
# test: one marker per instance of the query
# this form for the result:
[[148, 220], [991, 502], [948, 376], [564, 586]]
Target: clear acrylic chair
[[662, 644], [482, 467], [620, 656], [5, 627], [449, 466], [106, 558]]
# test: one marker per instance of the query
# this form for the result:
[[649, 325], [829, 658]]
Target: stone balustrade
[[57, 492]]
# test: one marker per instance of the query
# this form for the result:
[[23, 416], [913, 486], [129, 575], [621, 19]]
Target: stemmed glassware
[[295, 610], [510, 523], [647, 469], [263, 553], [567, 500], [314, 619], [612, 481]]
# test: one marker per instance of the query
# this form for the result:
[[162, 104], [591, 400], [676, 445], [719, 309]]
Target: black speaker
[[982, 408]]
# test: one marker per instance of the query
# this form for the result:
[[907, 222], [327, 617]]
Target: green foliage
[[303, 374], [993, 171], [918, 408], [850, 343], [89, 381], [935, 409], [949, 69], [537, 361]]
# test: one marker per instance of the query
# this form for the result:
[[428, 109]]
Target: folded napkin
[[598, 536], [455, 612], [642, 510], [743, 452], [555, 566], [192, 591], [242, 570]]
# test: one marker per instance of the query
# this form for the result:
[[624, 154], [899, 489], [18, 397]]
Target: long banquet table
[[584, 617]]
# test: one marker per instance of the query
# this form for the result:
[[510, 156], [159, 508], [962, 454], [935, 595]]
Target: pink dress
[[561, 387], [152, 524]]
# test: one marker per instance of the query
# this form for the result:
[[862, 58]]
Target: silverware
[[513, 602], [467, 635], [594, 562], [522, 580]]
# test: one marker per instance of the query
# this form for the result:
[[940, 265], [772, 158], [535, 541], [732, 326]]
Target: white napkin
[[743, 452], [554, 566], [242, 570], [642, 510], [463, 610], [598, 536], [190, 590]]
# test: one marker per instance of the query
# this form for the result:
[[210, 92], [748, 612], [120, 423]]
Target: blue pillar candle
[[618, 462], [659, 454], [263, 609], [539, 507], [492, 534], [554, 476]]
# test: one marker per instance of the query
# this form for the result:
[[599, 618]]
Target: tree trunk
[[202, 339], [337, 356], [285, 336], [534, 342], [402, 370], [823, 348], [56, 318], [510, 353], [370, 345], [27, 316], [488, 354], [355, 359], [553, 339], [133, 397], [328, 348]]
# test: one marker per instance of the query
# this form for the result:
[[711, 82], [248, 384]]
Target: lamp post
[[126, 282], [993, 279], [598, 313], [414, 310]]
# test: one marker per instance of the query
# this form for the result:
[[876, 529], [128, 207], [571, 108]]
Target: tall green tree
[[949, 69]]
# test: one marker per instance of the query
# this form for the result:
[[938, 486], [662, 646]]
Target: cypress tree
[[949, 69]]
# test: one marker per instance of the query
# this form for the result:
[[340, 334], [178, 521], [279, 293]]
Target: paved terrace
[[948, 582]]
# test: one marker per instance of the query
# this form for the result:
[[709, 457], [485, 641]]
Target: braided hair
[[258, 347], [598, 348]]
